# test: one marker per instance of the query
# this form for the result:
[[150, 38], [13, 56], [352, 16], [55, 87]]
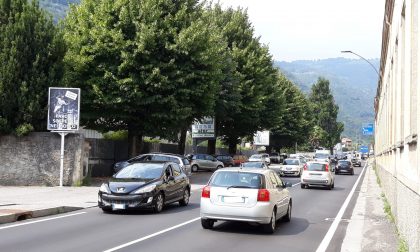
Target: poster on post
[[63, 109]]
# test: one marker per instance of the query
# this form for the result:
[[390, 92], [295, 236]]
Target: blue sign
[[367, 129], [364, 149]]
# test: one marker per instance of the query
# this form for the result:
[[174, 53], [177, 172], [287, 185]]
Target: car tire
[[219, 167], [332, 186], [185, 198], [352, 172], [106, 210], [302, 186], [207, 223], [329, 187], [158, 204], [271, 227], [288, 215], [194, 168]]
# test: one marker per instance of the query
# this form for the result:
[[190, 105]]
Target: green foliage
[[116, 135], [24, 129], [31, 52], [325, 113], [143, 64]]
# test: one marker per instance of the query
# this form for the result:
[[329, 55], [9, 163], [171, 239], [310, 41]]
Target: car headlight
[[145, 189], [104, 188]]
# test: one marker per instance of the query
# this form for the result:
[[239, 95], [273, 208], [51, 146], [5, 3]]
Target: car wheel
[[352, 172], [219, 167], [207, 223], [288, 215], [185, 198], [194, 168], [332, 185], [271, 227], [158, 206], [302, 186], [230, 165]]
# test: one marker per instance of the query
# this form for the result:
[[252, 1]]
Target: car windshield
[[274, 155], [237, 179], [252, 165], [256, 156], [291, 162], [321, 155], [141, 171]]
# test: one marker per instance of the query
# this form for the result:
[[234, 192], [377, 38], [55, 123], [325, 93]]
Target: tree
[[295, 121], [149, 67], [31, 52], [251, 81], [325, 113]]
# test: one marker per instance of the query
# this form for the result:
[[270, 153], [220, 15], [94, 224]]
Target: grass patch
[[402, 245], [387, 209], [378, 180]]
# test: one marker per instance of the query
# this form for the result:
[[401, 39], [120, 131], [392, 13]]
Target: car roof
[[238, 169], [165, 154], [151, 162], [316, 162]]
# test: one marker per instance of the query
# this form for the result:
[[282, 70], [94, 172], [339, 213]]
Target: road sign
[[367, 129], [364, 149], [262, 138], [63, 109], [203, 128]]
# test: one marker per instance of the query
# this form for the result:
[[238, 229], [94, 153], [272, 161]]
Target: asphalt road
[[179, 229]]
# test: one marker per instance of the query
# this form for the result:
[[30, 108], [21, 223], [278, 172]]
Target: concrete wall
[[35, 159], [397, 122]]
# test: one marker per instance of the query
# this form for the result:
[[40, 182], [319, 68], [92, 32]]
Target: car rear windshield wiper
[[238, 186]]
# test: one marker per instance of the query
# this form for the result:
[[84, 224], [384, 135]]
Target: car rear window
[[344, 162], [185, 161], [237, 179], [291, 162], [316, 167]]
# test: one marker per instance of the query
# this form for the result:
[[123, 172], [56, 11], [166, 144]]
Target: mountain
[[57, 8], [352, 81]]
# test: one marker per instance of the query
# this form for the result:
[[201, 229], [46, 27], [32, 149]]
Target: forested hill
[[353, 83], [57, 8]]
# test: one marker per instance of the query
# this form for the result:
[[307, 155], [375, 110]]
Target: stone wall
[[405, 206], [35, 159]]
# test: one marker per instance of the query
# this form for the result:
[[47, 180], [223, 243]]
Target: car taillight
[[326, 167], [263, 195], [205, 193], [305, 167]]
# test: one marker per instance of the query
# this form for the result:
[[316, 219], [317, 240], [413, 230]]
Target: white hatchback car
[[317, 174], [260, 158], [251, 195], [292, 167]]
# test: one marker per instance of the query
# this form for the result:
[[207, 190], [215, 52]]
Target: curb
[[12, 215]]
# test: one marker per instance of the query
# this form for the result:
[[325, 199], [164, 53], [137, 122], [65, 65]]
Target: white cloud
[[316, 29]]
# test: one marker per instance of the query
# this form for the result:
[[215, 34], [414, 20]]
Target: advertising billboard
[[262, 138], [63, 109]]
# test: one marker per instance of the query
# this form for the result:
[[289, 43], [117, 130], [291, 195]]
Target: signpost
[[364, 149], [203, 128], [367, 129], [63, 115]]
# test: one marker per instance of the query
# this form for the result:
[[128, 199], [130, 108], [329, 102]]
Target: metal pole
[[62, 134]]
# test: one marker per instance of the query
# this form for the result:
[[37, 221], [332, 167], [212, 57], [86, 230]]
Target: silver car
[[291, 167], [317, 174], [260, 158], [204, 162], [251, 195]]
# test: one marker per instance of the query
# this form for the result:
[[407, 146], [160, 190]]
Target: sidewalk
[[369, 229]]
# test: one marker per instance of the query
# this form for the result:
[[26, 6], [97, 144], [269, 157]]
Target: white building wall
[[397, 118]]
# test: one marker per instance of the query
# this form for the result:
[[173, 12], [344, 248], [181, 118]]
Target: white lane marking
[[296, 184], [327, 238], [37, 221], [151, 235]]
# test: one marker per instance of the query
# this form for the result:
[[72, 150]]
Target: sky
[[316, 29]]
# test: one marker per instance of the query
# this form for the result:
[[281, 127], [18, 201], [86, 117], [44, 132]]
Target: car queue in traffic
[[241, 189]]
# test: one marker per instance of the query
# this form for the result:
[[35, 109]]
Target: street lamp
[[364, 60]]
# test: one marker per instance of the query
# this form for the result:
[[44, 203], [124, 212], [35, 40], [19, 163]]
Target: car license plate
[[233, 199], [118, 206]]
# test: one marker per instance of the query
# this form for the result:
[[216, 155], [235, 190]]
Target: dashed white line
[[38, 221], [295, 184], [151, 236], [327, 238]]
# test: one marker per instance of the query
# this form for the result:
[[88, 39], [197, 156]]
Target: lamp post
[[374, 68]]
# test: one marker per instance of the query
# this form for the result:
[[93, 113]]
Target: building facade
[[397, 118]]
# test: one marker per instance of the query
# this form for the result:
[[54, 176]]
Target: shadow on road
[[295, 226], [169, 209]]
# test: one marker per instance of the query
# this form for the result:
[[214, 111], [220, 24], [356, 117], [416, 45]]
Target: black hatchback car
[[145, 185], [344, 166]]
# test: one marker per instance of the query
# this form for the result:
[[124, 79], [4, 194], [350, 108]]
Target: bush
[[24, 129], [116, 135]]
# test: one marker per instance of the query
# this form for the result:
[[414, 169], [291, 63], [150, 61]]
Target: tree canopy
[[31, 52]]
